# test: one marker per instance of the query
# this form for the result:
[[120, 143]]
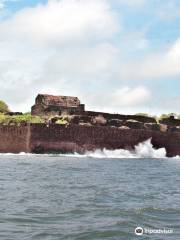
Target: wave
[[142, 150]]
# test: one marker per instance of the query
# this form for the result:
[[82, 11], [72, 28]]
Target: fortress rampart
[[14, 139], [41, 138]]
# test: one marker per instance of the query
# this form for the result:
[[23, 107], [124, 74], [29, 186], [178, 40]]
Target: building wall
[[37, 110], [40, 110], [55, 105]]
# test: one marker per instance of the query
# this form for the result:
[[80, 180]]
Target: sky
[[115, 55]]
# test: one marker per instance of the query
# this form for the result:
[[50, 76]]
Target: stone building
[[56, 105]]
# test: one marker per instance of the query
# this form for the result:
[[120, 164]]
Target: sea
[[117, 195]]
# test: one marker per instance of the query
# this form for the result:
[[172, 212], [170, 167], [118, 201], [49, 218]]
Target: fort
[[82, 130], [56, 105]]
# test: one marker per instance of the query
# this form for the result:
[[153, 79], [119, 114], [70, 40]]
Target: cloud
[[60, 22], [135, 41], [129, 97], [133, 3], [170, 105], [61, 47], [122, 99], [84, 63], [71, 47], [154, 66]]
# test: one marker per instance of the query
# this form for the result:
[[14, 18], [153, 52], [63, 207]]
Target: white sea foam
[[142, 150]]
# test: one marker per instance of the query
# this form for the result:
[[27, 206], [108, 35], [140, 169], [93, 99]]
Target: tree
[[3, 107]]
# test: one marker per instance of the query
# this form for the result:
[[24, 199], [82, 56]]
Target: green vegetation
[[142, 114], [3, 107], [24, 118], [62, 121], [167, 115]]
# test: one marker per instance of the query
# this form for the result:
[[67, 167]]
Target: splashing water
[[142, 150]]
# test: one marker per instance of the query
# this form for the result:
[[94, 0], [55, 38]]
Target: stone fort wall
[[41, 138], [14, 139]]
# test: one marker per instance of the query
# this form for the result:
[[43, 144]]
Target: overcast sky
[[115, 55]]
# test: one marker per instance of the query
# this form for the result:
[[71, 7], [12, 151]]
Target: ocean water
[[93, 197]]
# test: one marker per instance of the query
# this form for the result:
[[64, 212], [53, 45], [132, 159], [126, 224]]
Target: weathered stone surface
[[174, 129], [124, 127], [152, 126], [170, 121], [163, 127], [99, 120], [114, 122], [56, 105], [80, 119], [109, 116], [85, 124], [74, 138], [134, 124]]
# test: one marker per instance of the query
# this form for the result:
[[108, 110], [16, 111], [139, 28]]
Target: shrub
[[26, 118], [142, 114], [3, 107], [167, 115], [62, 122]]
